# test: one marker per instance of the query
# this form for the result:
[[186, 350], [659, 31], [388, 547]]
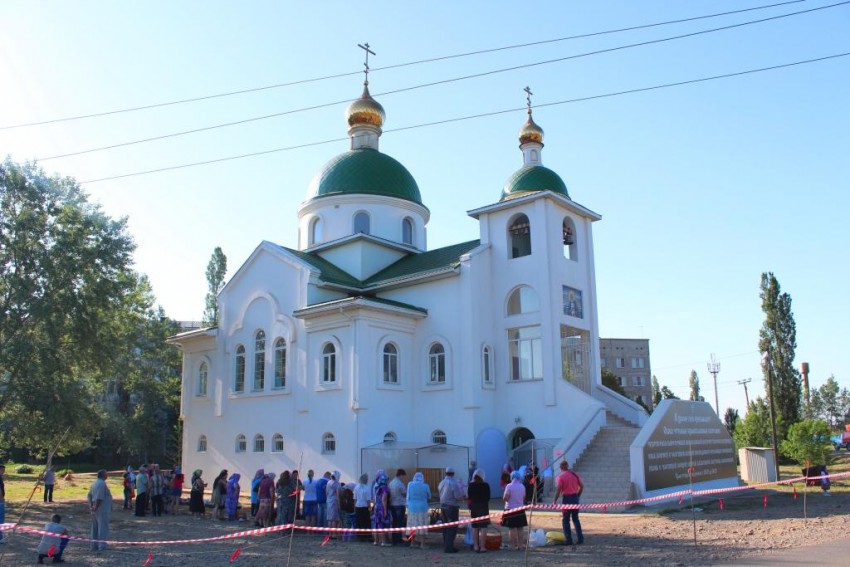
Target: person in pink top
[[514, 497], [569, 488]]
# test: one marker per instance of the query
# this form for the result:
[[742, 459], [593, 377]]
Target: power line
[[388, 67], [441, 82], [483, 115]]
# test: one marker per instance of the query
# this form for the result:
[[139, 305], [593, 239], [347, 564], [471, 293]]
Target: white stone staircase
[[605, 467]]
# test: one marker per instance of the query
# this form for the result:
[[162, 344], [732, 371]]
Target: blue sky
[[701, 187]]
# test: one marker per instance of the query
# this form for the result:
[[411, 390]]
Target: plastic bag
[[555, 538], [537, 538], [467, 537]]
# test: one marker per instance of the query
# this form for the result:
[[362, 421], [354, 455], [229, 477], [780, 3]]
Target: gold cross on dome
[[365, 47], [528, 94]]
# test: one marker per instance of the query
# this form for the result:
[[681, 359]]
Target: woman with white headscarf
[[418, 495], [332, 494], [479, 507]]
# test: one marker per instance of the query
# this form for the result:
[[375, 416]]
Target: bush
[[24, 469], [808, 441]]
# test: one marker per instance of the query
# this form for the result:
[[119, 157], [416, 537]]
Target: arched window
[[437, 364], [203, 372], [277, 443], [519, 234], [390, 437], [239, 371], [390, 364], [241, 443], [523, 300], [202, 444], [315, 231], [280, 363], [438, 437], [569, 233], [259, 443], [328, 444], [486, 365], [260, 361], [361, 223], [526, 353], [407, 231], [329, 363]]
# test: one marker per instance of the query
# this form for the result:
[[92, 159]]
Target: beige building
[[628, 359]]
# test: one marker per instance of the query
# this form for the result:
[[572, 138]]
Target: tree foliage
[[730, 420], [778, 338], [754, 430], [609, 380], [830, 403], [65, 282], [693, 382], [808, 441], [656, 392], [216, 270], [668, 394]]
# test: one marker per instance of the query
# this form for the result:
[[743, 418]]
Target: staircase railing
[[621, 406], [574, 446]]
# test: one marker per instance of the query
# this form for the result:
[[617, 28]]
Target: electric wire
[[443, 82], [475, 116], [389, 67]]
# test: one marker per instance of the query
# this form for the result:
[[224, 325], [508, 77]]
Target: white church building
[[362, 346]]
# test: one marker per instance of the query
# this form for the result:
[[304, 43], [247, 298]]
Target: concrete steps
[[605, 467]]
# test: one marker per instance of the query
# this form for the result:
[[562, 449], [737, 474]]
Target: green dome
[[364, 171], [532, 178]]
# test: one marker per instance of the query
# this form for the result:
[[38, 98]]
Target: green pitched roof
[[330, 273], [533, 178], [364, 171]]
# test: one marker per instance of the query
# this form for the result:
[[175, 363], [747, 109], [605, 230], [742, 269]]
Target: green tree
[[693, 382], [754, 430], [830, 403], [730, 420], [668, 394], [65, 274], [808, 441], [656, 392], [216, 270], [778, 339], [610, 380]]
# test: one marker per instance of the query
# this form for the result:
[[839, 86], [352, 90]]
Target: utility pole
[[768, 365], [714, 369], [744, 384]]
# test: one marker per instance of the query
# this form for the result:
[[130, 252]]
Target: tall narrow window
[[260, 361], [361, 223], [280, 363], [437, 364], [486, 370], [259, 443], [239, 371], [526, 353], [328, 444], [329, 363], [203, 372], [519, 234], [277, 443], [202, 444], [241, 443], [568, 229], [390, 364], [407, 231], [315, 231], [438, 437]]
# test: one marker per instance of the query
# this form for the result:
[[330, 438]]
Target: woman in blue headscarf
[[418, 495], [231, 503], [381, 512]]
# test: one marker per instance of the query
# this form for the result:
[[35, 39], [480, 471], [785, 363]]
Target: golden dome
[[530, 132], [365, 111]]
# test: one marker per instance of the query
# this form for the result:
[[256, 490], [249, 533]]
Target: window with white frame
[[637, 362], [390, 437], [407, 231], [487, 365], [315, 231], [239, 370], [259, 361], [637, 380], [280, 363], [203, 372], [390, 364], [241, 443], [526, 353], [277, 443], [621, 381], [329, 363], [620, 362], [438, 437], [519, 237], [202, 444], [523, 300], [361, 223], [259, 443], [437, 364], [328, 444]]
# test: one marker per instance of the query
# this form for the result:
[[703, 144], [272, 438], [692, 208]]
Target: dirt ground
[[745, 527]]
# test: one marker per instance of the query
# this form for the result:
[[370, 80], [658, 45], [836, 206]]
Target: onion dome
[[364, 171], [365, 111], [531, 179], [530, 132]]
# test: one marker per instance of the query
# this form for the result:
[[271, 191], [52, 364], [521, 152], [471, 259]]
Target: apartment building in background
[[628, 359]]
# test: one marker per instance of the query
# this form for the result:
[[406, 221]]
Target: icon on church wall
[[572, 302]]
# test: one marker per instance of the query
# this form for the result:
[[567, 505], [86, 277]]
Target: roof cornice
[[530, 197]]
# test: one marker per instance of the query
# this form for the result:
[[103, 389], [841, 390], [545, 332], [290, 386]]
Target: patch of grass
[[20, 486]]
